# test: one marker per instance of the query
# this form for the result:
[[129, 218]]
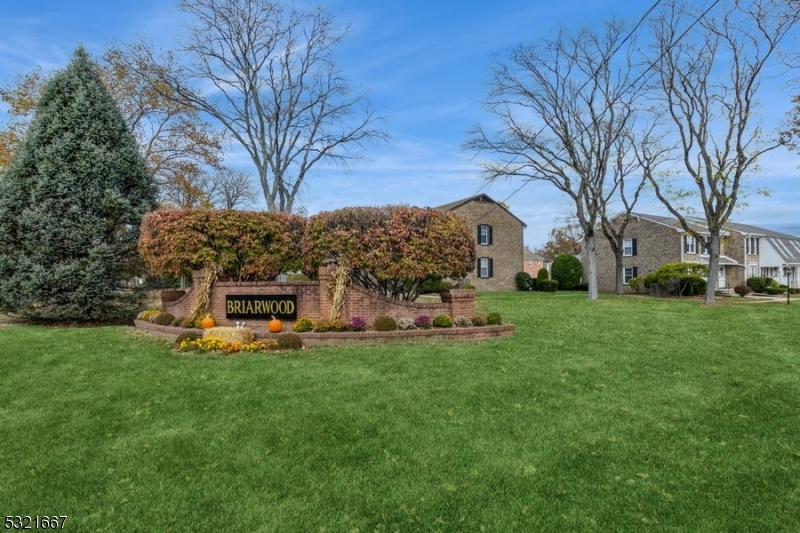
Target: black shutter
[[633, 247], [491, 265], [686, 244], [479, 238], [635, 269], [490, 236], [479, 267]]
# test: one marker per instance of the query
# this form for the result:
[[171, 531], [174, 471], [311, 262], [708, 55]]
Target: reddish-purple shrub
[[742, 290], [357, 323], [423, 322]]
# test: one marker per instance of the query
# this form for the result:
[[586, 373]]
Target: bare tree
[[568, 112], [709, 69], [232, 189], [266, 73], [564, 239]]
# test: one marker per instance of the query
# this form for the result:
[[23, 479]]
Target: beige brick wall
[[656, 244], [506, 249]]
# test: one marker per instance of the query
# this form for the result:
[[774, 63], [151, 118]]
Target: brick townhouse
[[498, 241], [745, 251]]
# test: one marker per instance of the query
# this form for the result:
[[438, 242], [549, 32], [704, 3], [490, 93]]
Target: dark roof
[[452, 206]]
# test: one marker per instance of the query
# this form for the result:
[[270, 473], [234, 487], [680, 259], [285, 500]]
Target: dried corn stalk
[[203, 305], [337, 287]]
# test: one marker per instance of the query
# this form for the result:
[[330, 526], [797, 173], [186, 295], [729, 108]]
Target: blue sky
[[424, 64]]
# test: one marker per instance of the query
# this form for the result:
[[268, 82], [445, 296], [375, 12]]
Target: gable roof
[[452, 206]]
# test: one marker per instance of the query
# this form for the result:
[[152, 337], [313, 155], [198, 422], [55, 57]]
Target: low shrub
[[325, 325], [523, 281], [636, 284], [582, 286], [479, 320], [793, 290], [176, 322], [469, 286], [405, 324], [164, 319], [230, 334], [423, 322], [462, 322], [759, 284], [303, 325], [442, 321], [774, 290], [494, 319], [289, 341], [742, 290], [357, 323], [297, 276], [548, 285], [148, 314], [187, 322], [385, 323]]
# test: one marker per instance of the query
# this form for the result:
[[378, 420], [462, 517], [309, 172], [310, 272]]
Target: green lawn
[[627, 414]]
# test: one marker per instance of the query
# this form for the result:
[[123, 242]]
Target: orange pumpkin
[[275, 325], [208, 322]]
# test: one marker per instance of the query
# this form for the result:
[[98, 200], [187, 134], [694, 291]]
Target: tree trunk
[[713, 267], [592, 266], [619, 287]]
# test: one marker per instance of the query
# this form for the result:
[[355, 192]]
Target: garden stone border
[[438, 335]]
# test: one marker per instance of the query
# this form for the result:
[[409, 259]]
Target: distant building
[[498, 241], [745, 251], [532, 263]]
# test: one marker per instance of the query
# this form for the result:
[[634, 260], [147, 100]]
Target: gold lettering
[[249, 307], [259, 307], [289, 307], [238, 306], [230, 306]]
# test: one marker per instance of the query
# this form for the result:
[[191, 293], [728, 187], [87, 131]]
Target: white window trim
[[691, 244], [627, 247]]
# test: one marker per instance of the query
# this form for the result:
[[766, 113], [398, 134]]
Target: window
[[485, 267], [484, 234], [703, 249], [689, 245], [751, 271], [628, 247], [530, 262], [769, 272], [751, 245], [629, 273]]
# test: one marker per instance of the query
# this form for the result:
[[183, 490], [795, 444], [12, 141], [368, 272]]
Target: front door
[[721, 278]]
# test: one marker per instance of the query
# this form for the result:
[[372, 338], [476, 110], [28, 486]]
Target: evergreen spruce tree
[[71, 203]]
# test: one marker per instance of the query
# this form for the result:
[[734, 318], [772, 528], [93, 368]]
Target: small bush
[[297, 276], [442, 321], [494, 319], [479, 320], [582, 286], [548, 285], [187, 322], [636, 284], [357, 323], [423, 322], [325, 325], [462, 322], [152, 317], [289, 341], [567, 270], [742, 290], [385, 323], [230, 334], [759, 284], [176, 322], [541, 276], [187, 336], [794, 290], [650, 280], [774, 290], [164, 319], [524, 281], [405, 324], [469, 286], [148, 314], [303, 325]]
